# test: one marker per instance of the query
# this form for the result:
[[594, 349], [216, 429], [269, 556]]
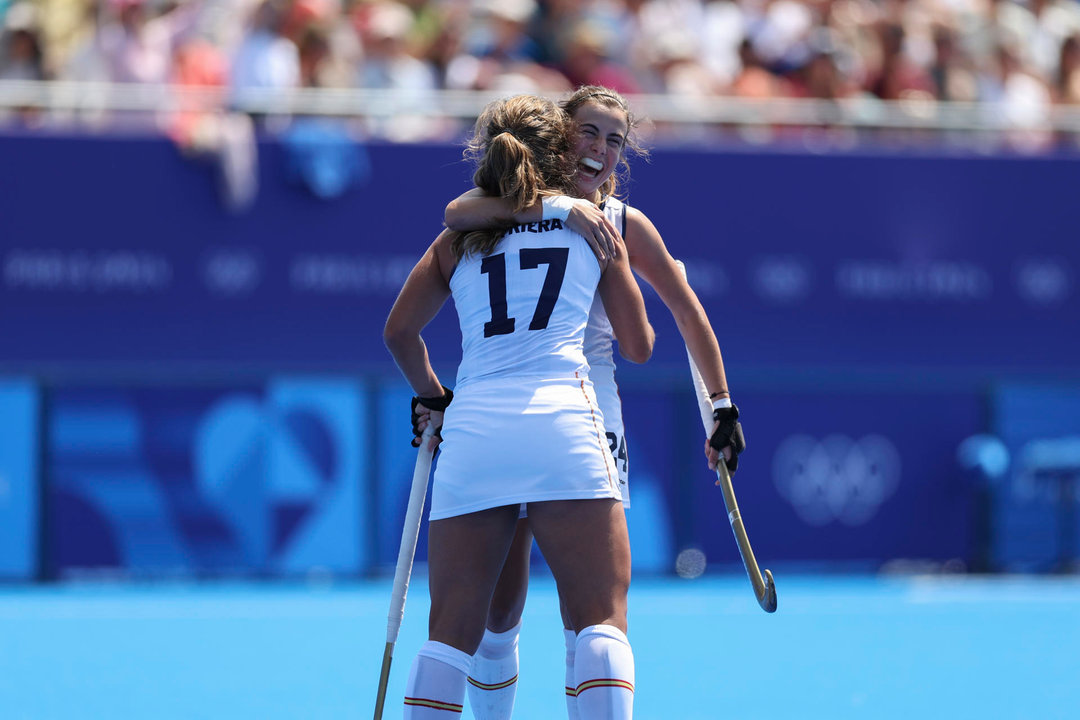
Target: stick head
[[768, 602]]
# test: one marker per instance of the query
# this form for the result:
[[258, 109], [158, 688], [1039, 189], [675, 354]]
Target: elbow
[[395, 337], [451, 214], [639, 349]]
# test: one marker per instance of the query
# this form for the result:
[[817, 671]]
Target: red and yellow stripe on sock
[[601, 683], [434, 704], [493, 686]]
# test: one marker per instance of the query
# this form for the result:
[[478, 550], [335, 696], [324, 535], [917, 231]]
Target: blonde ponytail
[[522, 150]]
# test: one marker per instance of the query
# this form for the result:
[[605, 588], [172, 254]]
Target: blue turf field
[[837, 648]]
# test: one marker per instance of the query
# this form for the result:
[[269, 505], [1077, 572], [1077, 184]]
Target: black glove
[[728, 434], [438, 404]]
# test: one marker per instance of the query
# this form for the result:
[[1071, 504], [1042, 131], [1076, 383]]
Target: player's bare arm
[[626, 310], [474, 210], [649, 256], [423, 295]]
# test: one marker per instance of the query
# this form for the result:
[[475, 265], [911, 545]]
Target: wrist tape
[[556, 207]]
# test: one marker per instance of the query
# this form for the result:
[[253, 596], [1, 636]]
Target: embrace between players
[[532, 443]]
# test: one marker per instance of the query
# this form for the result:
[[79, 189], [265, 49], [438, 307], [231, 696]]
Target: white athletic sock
[[570, 637], [604, 672], [436, 688], [493, 676]]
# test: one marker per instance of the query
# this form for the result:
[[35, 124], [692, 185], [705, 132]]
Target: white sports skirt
[[508, 441]]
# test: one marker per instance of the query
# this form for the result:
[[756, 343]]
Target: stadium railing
[[923, 113]]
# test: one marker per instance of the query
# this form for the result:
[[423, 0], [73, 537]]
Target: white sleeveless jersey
[[523, 307], [525, 425], [599, 336]]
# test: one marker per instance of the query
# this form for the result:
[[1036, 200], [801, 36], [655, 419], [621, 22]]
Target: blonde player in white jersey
[[524, 425], [605, 126]]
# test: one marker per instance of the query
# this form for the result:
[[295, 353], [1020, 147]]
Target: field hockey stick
[[764, 587], [406, 552]]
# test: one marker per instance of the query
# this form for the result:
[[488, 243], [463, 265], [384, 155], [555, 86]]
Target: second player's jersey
[[599, 334], [524, 306]]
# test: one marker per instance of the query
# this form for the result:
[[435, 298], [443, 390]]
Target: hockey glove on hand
[[438, 404], [728, 434]]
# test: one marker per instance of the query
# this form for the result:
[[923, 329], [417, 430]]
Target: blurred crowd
[[1022, 54]]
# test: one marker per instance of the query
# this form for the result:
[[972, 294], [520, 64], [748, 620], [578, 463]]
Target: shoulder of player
[[640, 234], [444, 254]]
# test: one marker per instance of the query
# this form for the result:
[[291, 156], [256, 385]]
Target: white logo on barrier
[[938, 280], [783, 279], [341, 274], [232, 272], [836, 478], [1043, 281], [84, 271]]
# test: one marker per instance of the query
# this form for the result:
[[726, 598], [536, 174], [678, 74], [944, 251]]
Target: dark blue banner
[[119, 251]]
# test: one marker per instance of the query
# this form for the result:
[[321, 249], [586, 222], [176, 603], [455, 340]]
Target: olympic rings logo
[[836, 478]]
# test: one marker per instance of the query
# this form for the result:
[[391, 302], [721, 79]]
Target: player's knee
[[455, 628], [503, 617], [596, 610]]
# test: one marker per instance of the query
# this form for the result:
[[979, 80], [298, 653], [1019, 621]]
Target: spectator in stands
[[588, 61], [503, 56], [21, 55], [206, 132], [385, 27], [314, 54], [1067, 79], [952, 71], [753, 79], [446, 45], [504, 37], [723, 33], [139, 48], [898, 76], [820, 77], [266, 58], [676, 68], [1021, 99], [82, 59]]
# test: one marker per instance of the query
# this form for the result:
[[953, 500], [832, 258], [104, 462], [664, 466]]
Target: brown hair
[[522, 149], [612, 99]]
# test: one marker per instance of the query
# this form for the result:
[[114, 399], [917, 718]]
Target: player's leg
[[608, 397], [465, 555], [570, 640], [493, 678], [587, 547]]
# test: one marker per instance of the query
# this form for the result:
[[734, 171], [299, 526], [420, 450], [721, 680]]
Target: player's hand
[[429, 411], [726, 439], [712, 455], [590, 222], [428, 417]]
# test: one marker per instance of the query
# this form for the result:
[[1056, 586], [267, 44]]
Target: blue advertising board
[[1035, 503], [854, 478], [19, 487], [262, 479]]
